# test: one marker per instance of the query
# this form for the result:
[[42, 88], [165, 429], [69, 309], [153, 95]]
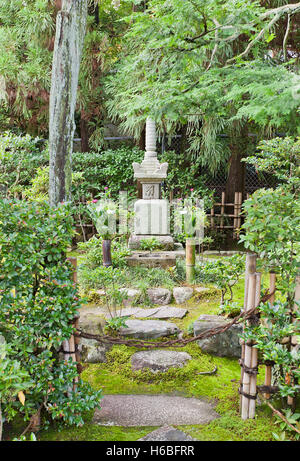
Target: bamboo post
[[222, 210], [212, 212], [253, 377], [235, 213], [190, 252], [248, 351], [295, 338], [240, 201], [250, 268], [268, 369]]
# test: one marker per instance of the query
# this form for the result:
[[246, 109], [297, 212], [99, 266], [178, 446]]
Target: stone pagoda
[[151, 213]]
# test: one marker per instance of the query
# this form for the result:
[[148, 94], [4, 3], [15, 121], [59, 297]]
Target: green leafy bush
[[150, 244], [224, 273], [20, 157], [38, 301]]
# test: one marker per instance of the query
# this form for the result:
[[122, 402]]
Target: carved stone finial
[[150, 139]]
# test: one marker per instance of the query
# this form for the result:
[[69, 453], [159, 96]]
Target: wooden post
[[295, 338], [268, 369], [190, 252]]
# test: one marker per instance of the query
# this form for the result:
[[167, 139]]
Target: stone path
[[153, 410]]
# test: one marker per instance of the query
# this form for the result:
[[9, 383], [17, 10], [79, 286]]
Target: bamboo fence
[[220, 219], [249, 354]]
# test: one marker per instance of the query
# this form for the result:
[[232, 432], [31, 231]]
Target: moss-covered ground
[[220, 389]]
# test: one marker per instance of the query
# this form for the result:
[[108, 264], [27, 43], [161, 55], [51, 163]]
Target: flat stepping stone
[[159, 360], [168, 312], [148, 329], [144, 313], [167, 434], [153, 410], [126, 312]]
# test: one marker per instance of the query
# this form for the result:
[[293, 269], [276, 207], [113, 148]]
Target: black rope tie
[[249, 396], [249, 370]]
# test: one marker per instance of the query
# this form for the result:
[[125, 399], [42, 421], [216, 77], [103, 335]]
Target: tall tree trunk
[[84, 135], [70, 32], [236, 176]]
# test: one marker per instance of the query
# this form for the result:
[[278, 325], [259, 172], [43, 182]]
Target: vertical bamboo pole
[[250, 268], [295, 338], [268, 369], [248, 350], [240, 201], [212, 212], [235, 209], [253, 377], [222, 210], [190, 251], [73, 342]]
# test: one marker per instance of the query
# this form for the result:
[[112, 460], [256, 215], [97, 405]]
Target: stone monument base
[[166, 241]]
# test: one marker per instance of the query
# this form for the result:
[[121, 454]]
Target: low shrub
[[38, 301]]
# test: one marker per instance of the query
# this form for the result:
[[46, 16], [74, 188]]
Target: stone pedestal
[[152, 214]]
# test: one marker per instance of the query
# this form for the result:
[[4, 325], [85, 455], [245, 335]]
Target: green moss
[[93, 432]]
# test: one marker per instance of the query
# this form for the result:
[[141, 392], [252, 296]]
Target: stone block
[[152, 217]]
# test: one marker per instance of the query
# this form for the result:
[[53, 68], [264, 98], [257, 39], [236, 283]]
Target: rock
[[169, 312], [91, 323], [167, 434], [224, 344], [148, 329], [182, 294], [92, 352], [159, 295], [159, 360], [131, 295], [201, 290]]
